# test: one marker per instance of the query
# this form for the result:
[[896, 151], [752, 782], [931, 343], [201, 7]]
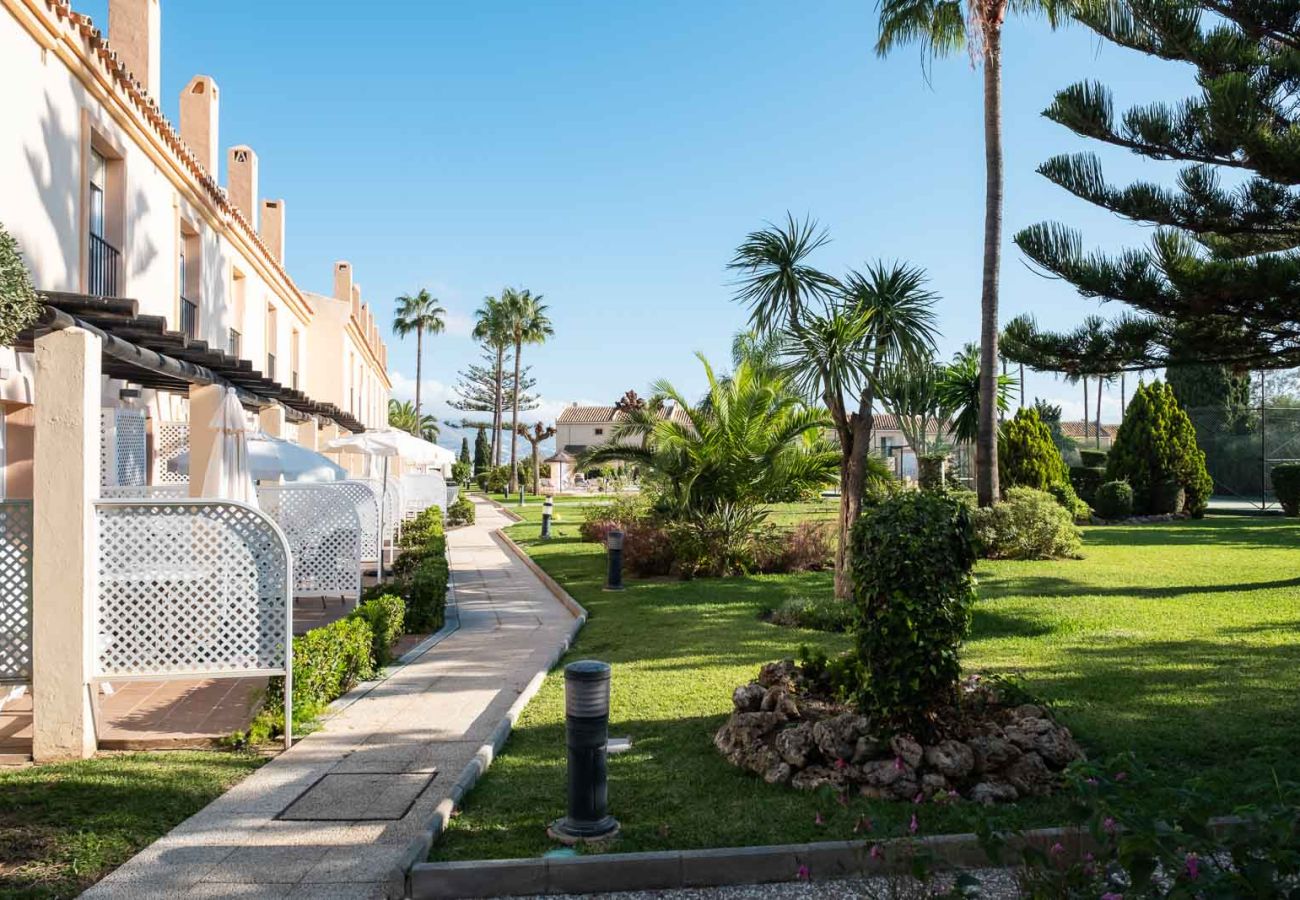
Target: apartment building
[[109, 199]]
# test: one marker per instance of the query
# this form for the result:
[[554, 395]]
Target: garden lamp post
[[548, 509], [614, 572], [586, 728]]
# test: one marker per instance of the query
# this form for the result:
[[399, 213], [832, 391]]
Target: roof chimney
[[241, 178], [135, 35], [343, 281], [199, 118], [273, 228]]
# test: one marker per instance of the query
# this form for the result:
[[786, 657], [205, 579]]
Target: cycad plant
[[752, 440]]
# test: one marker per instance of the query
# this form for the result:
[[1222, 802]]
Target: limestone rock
[[906, 747], [951, 758], [744, 732], [748, 697], [837, 737], [990, 792], [869, 747], [1029, 775], [777, 674], [796, 745], [992, 753], [814, 777], [778, 699], [932, 783]]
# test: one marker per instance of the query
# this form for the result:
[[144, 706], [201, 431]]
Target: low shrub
[[1093, 459], [423, 529], [618, 514], [807, 547], [421, 572], [384, 614], [1114, 500], [495, 480], [912, 594], [1286, 485], [327, 663], [1086, 480], [822, 613], [1027, 524], [461, 512], [1063, 493], [461, 472]]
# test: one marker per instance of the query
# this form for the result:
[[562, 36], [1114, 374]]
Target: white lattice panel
[[420, 491], [145, 492], [170, 439], [324, 532], [15, 591], [364, 499], [197, 587], [392, 495]]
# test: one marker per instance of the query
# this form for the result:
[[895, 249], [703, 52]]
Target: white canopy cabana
[[272, 458]]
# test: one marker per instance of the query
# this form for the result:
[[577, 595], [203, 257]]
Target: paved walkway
[[344, 812]]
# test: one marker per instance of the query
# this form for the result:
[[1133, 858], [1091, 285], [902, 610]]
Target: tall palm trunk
[[986, 444], [498, 406], [1022, 385], [1123, 397], [1097, 430], [419, 369], [514, 420], [1085, 407]]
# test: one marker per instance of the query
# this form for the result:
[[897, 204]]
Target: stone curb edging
[[578, 610], [667, 870], [418, 850]]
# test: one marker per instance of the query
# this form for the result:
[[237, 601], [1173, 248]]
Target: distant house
[[579, 428], [1085, 434]]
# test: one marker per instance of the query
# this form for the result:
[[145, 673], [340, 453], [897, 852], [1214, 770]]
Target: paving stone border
[[418, 851]]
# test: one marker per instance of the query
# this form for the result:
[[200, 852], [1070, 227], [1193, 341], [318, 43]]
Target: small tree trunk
[[419, 372], [1085, 407], [514, 423], [1097, 430], [498, 406], [987, 443], [853, 481], [537, 471], [1123, 396]]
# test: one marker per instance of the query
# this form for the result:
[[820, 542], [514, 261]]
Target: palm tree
[[943, 27], [419, 312], [402, 416], [527, 323], [490, 328], [776, 281], [752, 439], [961, 391]]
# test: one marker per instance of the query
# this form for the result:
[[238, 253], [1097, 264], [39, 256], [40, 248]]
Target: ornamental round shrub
[[912, 595], [1286, 485], [1027, 455], [461, 512], [1027, 524], [1114, 500], [1156, 444]]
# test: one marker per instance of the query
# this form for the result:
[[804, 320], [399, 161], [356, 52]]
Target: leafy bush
[[1157, 444], [425, 528], [421, 572], [1093, 459], [461, 472], [619, 515], [495, 480], [384, 615], [719, 542], [1115, 500], [327, 663], [1086, 480], [1063, 493], [912, 594], [19, 304], [461, 512], [820, 613], [1286, 485], [1027, 455], [1027, 524], [807, 547]]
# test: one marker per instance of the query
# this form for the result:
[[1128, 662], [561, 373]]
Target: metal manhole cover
[[353, 797]]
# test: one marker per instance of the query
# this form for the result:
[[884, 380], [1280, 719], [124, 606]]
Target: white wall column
[[205, 403], [271, 420], [65, 485]]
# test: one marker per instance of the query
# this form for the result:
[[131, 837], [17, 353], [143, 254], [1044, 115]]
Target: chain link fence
[[1242, 446]]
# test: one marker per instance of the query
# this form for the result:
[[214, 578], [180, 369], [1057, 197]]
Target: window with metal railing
[[270, 366], [235, 345], [189, 317], [105, 261]]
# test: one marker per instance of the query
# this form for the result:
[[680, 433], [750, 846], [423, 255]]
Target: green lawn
[[1178, 642], [64, 826]]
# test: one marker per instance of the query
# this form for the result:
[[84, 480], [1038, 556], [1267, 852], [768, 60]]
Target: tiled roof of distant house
[[602, 415], [889, 422], [1076, 429]]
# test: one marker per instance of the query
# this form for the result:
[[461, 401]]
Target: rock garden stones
[[985, 750]]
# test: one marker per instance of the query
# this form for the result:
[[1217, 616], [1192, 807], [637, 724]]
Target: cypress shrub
[[1286, 485], [19, 304], [1027, 455], [1156, 445], [913, 593]]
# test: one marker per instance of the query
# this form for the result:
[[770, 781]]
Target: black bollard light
[[614, 548], [548, 509], [521, 493], [586, 727]]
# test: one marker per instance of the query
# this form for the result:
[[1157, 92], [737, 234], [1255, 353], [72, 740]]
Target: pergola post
[[65, 485], [271, 420], [205, 403]]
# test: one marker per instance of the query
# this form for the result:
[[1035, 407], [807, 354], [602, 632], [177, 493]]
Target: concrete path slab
[[433, 715]]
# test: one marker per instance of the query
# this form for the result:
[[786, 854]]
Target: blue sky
[[611, 155]]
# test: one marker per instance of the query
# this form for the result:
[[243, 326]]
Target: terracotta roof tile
[[601, 415]]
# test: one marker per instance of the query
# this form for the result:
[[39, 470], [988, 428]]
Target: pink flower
[[1057, 849], [876, 852], [1109, 826], [1193, 866], [918, 798], [803, 874], [841, 764], [1121, 776], [1093, 781], [898, 763], [818, 820], [915, 825]]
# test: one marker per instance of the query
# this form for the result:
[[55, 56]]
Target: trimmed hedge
[[1286, 485], [461, 512], [1093, 459], [1063, 492], [1086, 480], [1155, 445], [422, 572], [384, 614], [1115, 500]]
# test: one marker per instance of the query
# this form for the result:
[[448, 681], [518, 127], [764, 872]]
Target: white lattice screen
[[143, 491], [190, 587], [363, 497], [15, 591], [171, 439], [420, 491], [392, 495], [324, 532], [122, 447]]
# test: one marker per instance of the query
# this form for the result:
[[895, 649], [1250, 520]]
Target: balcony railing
[[105, 263], [189, 317]]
